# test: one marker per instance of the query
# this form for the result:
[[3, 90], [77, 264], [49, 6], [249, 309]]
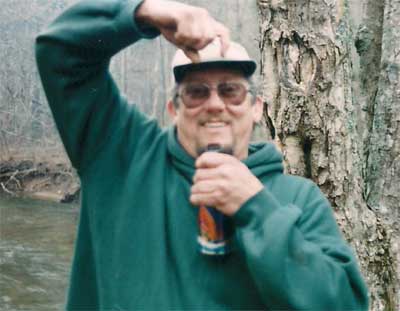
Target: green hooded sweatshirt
[[136, 245]]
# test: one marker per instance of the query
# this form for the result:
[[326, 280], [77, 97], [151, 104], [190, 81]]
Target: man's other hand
[[188, 27], [223, 182]]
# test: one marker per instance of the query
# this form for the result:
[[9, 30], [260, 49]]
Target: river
[[36, 247]]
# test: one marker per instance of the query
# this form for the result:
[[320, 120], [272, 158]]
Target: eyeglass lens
[[233, 93]]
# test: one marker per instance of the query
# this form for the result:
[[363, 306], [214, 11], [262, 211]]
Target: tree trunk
[[346, 138]]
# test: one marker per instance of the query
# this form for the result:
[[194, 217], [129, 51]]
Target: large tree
[[336, 119]]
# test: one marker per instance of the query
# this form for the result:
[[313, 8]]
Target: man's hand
[[223, 182], [188, 27]]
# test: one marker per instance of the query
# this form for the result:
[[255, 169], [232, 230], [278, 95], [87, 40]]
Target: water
[[36, 246]]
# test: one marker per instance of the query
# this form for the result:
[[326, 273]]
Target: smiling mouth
[[214, 124]]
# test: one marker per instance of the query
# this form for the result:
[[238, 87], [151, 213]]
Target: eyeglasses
[[195, 94]]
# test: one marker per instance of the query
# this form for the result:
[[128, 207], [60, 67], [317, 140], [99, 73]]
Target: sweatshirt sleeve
[[296, 254], [73, 57]]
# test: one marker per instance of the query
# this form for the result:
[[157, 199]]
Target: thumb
[[192, 54], [223, 35]]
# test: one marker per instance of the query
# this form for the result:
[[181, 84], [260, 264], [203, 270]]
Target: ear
[[258, 109], [172, 111]]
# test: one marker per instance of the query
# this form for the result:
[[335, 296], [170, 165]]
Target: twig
[[18, 171], [11, 177], [6, 190], [16, 181], [67, 173], [42, 182]]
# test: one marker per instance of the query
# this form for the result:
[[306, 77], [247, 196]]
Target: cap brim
[[247, 67]]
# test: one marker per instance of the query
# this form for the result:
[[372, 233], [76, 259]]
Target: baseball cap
[[236, 57]]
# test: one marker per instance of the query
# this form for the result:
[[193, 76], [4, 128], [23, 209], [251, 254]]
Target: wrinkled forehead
[[213, 75]]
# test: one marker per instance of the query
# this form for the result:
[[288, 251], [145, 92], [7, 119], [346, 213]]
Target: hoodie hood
[[263, 158]]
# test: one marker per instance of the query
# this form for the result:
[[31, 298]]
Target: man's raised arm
[[73, 57]]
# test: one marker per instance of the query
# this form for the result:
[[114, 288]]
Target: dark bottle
[[215, 229]]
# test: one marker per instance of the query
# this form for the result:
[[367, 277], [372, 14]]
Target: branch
[[6, 190], [12, 174]]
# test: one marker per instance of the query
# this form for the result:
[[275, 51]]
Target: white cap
[[236, 57]]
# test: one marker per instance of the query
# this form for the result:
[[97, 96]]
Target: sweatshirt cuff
[[128, 22], [256, 209]]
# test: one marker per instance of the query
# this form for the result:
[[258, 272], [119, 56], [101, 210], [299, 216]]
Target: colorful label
[[216, 231]]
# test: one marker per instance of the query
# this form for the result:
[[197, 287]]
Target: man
[[137, 245]]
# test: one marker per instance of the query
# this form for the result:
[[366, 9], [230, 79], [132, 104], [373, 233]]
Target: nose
[[214, 103]]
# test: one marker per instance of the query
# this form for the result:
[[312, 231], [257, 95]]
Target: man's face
[[215, 121]]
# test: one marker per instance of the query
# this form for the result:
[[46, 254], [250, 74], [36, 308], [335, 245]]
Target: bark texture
[[340, 132]]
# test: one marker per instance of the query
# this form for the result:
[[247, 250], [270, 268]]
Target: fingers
[[196, 36], [222, 181], [224, 171], [211, 30], [209, 186], [190, 28], [193, 55], [205, 199], [206, 173], [224, 36], [215, 159], [210, 193]]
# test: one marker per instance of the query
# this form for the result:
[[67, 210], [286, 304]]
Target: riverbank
[[47, 177]]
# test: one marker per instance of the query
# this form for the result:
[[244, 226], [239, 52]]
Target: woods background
[[329, 76]]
